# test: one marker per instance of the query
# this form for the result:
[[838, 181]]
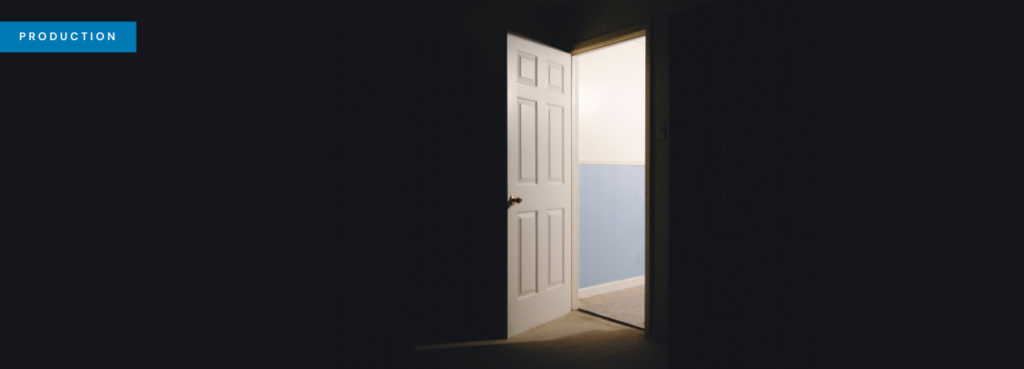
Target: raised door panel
[[527, 117], [556, 247], [527, 254], [556, 144]]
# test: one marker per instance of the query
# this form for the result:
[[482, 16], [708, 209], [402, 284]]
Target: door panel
[[556, 247], [527, 253], [527, 141], [556, 155], [539, 158]]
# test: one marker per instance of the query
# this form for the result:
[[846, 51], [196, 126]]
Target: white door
[[539, 144]]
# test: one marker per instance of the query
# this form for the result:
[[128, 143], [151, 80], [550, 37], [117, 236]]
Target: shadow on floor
[[576, 340]]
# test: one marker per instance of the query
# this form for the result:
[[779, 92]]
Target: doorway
[[610, 115], [544, 114]]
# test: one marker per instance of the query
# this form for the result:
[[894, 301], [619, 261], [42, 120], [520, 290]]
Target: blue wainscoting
[[611, 223]]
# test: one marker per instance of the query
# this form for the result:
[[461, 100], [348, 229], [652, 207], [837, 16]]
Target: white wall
[[611, 104]]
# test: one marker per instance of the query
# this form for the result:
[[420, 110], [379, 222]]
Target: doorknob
[[512, 200]]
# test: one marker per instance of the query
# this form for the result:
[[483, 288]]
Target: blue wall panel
[[611, 223]]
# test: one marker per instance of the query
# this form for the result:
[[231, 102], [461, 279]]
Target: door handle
[[512, 200]]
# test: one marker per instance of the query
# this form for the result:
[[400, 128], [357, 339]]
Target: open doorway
[[544, 203], [611, 117]]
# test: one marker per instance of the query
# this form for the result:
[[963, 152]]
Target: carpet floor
[[626, 305]]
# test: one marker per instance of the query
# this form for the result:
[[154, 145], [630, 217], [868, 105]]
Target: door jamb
[[637, 30]]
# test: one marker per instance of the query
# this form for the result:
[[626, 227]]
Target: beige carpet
[[576, 340], [626, 305]]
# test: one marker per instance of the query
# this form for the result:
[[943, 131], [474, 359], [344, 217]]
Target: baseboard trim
[[611, 287], [623, 163]]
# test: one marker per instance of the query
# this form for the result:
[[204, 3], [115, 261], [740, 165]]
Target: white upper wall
[[611, 103]]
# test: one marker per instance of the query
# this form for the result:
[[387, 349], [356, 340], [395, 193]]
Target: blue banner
[[67, 37]]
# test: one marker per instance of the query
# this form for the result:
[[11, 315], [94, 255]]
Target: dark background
[[236, 195], [171, 208], [744, 185]]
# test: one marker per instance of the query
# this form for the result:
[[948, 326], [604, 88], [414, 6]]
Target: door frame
[[625, 34]]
